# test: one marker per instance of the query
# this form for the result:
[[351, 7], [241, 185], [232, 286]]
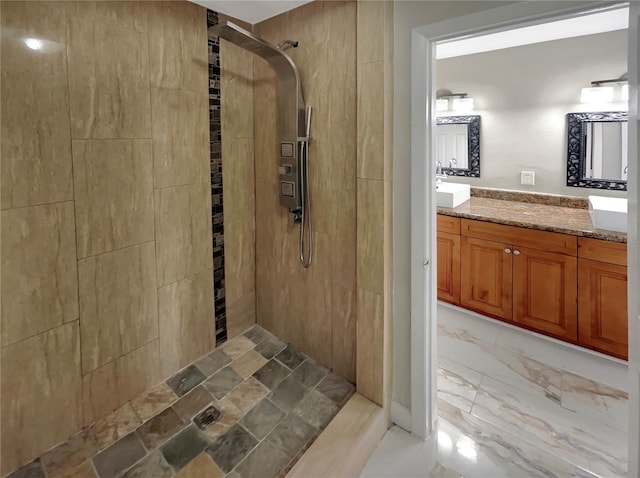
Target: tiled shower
[[112, 210]]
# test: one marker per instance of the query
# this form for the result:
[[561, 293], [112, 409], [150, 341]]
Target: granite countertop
[[532, 214]]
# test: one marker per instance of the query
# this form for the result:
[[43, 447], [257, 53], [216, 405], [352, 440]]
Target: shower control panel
[[288, 170]]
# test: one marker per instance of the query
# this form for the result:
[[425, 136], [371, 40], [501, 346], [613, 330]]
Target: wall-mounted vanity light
[[453, 102], [598, 93]]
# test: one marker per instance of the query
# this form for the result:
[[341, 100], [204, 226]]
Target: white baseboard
[[401, 416]]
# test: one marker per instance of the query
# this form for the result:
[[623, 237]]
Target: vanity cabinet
[[448, 259], [567, 287], [528, 286], [602, 296]]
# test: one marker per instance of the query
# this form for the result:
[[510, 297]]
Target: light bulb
[[624, 93], [598, 94], [462, 104], [33, 43]]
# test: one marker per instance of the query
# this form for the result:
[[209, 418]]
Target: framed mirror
[[597, 154], [458, 145]]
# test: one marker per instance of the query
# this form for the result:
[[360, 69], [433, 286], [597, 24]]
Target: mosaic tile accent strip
[[208, 420], [216, 182]]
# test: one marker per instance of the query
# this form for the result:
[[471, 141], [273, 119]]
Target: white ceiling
[[574, 27], [251, 11]]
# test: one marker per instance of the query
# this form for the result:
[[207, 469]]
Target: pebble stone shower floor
[[248, 409]]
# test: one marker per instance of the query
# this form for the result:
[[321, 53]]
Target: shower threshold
[[248, 409]]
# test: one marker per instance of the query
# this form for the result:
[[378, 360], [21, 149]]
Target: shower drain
[[207, 417]]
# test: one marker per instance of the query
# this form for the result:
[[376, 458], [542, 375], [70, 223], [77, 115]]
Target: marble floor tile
[[119, 456], [213, 362], [231, 447], [247, 395], [184, 447], [287, 394], [291, 435], [157, 399], [114, 426], [290, 357], [596, 401], [67, 456], [257, 334], [186, 380], [336, 388], [202, 466], [152, 466], [192, 403], [237, 346], [248, 363], [222, 382], [262, 419], [160, 428], [270, 347], [532, 376], [264, 460], [30, 470], [271, 374], [316, 409], [552, 428], [457, 384], [309, 373]]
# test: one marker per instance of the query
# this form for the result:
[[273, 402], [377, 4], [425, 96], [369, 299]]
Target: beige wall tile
[[99, 393], [265, 110], [309, 21], [343, 327], [371, 95], [42, 371], [138, 371], [178, 46], [108, 87], [241, 315], [183, 231], [236, 78], [238, 177], [180, 137], [370, 235], [118, 303], [114, 194], [370, 28], [186, 321], [370, 357], [124, 14], [240, 259], [342, 41], [36, 151], [39, 270]]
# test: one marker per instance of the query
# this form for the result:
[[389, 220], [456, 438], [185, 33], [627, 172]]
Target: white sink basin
[[608, 213], [452, 194]]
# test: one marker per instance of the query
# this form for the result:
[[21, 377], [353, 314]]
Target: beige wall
[[106, 211], [314, 308], [238, 177]]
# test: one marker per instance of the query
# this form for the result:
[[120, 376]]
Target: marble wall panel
[[113, 185], [39, 270], [36, 150]]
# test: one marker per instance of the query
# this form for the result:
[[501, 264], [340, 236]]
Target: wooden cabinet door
[[449, 267], [485, 282], [544, 292], [602, 307]]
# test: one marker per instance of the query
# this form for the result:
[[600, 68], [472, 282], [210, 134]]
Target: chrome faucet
[[626, 169], [439, 174], [453, 163]]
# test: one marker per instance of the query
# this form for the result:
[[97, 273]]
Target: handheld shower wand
[[307, 258]]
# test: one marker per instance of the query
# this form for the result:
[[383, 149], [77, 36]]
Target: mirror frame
[[473, 144], [576, 150]]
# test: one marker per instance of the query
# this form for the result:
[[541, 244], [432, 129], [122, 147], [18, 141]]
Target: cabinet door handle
[[507, 250], [516, 252]]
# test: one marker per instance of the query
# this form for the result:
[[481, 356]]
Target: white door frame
[[423, 217]]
